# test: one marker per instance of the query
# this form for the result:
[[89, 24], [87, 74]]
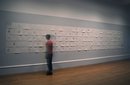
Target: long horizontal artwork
[[24, 38]]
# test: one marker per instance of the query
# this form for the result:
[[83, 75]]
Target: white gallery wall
[[84, 32]]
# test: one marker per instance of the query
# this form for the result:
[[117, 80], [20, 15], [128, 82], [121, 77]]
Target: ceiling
[[123, 3], [117, 2]]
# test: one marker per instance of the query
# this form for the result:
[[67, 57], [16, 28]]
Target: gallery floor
[[112, 73]]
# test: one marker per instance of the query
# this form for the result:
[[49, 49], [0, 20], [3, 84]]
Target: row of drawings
[[59, 48], [65, 32], [61, 38], [22, 37], [34, 29], [62, 43]]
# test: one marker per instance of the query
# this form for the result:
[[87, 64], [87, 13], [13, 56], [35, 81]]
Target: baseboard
[[13, 69]]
